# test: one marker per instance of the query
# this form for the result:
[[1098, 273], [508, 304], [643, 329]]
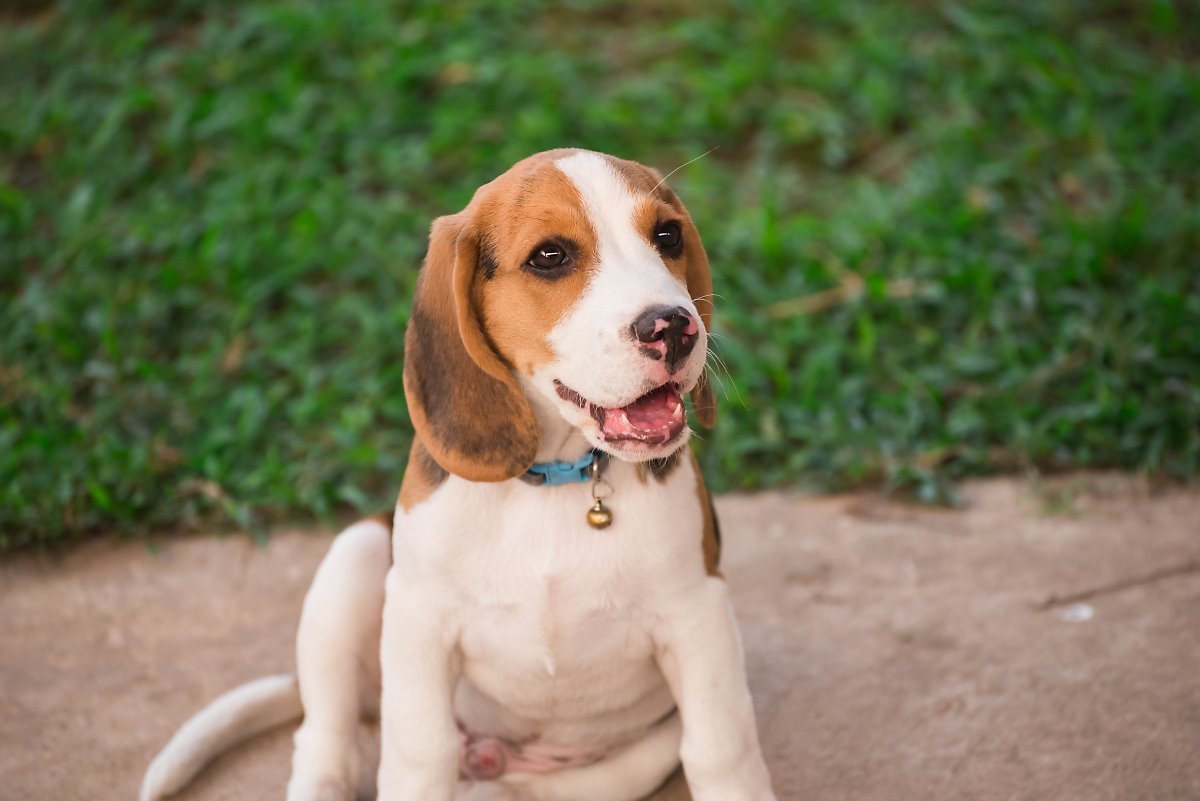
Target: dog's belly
[[561, 671]]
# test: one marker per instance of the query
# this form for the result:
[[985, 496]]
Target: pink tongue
[[652, 418]]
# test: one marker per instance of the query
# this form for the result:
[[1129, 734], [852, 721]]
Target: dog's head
[[578, 278]]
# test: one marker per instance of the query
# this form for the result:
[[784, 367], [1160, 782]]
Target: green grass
[[211, 217]]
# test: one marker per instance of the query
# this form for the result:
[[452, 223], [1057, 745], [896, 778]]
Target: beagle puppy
[[544, 618]]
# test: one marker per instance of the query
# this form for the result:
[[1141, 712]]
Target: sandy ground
[[894, 652]]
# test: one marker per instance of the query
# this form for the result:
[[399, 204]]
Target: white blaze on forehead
[[610, 205], [626, 258]]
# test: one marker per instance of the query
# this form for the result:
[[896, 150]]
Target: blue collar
[[554, 474]]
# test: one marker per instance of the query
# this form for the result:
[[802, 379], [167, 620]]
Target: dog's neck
[[558, 440]]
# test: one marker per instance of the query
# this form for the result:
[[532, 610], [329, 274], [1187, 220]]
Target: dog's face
[[580, 275]]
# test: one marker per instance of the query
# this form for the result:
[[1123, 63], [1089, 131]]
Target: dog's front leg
[[419, 743], [700, 654]]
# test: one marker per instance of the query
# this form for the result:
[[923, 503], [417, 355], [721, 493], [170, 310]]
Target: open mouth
[[653, 419]]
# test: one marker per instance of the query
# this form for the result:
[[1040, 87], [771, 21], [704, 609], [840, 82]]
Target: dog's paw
[[487, 791], [307, 789]]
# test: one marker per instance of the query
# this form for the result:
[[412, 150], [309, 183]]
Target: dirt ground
[[894, 652]]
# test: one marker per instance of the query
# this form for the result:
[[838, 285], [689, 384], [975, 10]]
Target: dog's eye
[[668, 238], [548, 257]]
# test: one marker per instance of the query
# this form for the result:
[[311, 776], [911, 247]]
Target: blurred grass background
[[949, 238]]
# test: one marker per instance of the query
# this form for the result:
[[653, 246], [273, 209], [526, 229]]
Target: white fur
[[534, 624], [503, 610]]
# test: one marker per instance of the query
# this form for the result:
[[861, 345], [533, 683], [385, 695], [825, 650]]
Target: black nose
[[666, 332]]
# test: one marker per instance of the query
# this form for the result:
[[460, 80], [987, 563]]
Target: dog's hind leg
[[337, 661]]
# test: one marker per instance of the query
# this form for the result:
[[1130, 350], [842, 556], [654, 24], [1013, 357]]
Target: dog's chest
[[557, 612], [556, 618], [559, 639]]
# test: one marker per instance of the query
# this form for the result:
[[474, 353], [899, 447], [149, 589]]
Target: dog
[[544, 619]]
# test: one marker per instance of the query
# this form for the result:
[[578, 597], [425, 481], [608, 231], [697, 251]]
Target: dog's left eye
[[668, 238], [548, 257]]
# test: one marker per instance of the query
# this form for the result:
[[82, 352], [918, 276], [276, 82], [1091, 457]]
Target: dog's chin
[[630, 451], [652, 426]]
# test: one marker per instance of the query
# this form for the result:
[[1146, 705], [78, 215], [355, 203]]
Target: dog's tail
[[241, 713]]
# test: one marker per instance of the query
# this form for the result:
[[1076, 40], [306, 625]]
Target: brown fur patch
[[710, 541], [464, 401], [421, 477], [644, 180], [383, 519], [648, 214], [660, 469], [519, 307]]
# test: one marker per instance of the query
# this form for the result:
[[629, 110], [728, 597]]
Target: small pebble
[[1076, 613]]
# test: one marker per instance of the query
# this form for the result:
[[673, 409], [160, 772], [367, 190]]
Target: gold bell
[[599, 515]]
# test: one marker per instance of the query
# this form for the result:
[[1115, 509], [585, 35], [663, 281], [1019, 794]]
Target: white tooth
[[678, 413], [624, 420]]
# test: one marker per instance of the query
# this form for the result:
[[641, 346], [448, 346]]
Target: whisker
[[731, 383], [725, 385], [681, 166], [719, 369]]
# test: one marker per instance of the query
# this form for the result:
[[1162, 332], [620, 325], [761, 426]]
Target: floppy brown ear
[[463, 399], [700, 287]]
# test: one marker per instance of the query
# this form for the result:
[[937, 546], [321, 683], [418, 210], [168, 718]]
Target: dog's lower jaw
[[567, 431], [577, 431], [635, 452]]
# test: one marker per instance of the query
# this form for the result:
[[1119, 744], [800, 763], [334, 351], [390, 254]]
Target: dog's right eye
[[548, 259]]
